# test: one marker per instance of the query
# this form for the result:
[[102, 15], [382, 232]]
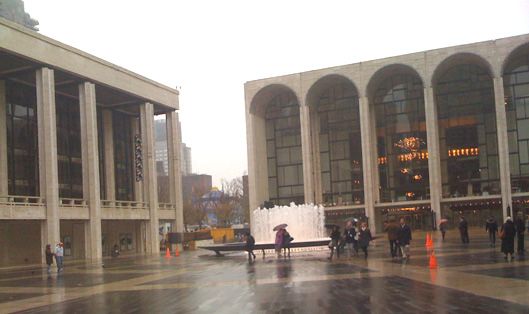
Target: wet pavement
[[470, 279]]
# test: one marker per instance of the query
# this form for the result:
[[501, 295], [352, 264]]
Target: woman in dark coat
[[335, 240], [507, 234], [364, 238], [49, 257]]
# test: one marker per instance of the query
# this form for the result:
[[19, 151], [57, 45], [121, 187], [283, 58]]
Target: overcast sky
[[210, 48]]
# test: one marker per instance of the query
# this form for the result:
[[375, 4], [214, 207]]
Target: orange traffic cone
[[427, 239], [176, 253], [430, 242], [433, 261], [167, 253]]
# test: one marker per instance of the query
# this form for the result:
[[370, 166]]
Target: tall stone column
[[90, 164], [174, 141], [108, 143], [503, 146], [368, 155], [434, 163], [149, 176], [3, 140], [316, 156], [306, 152], [47, 140]]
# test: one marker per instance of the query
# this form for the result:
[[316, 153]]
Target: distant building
[[187, 168], [162, 164], [13, 10], [195, 183]]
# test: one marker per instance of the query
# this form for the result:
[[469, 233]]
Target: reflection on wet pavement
[[473, 279]]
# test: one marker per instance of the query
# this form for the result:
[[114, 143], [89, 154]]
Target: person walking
[[392, 229], [364, 238], [279, 242], [519, 224], [443, 226], [335, 241], [350, 238], [59, 255], [49, 257], [507, 234], [250, 244], [287, 238], [404, 239], [463, 230], [491, 226]]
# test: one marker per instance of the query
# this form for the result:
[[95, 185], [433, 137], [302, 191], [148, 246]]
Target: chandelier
[[410, 144]]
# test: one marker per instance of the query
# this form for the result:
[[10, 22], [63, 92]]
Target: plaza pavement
[[469, 279]]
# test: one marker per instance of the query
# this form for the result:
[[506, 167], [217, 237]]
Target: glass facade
[[340, 146], [467, 132], [22, 139], [516, 87], [121, 124], [283, 142], [401, 139], [69, 160]]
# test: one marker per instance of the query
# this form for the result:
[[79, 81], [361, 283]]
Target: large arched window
[[340, 145], [283, 143], [516, 84], [401, 138], [467, 131]]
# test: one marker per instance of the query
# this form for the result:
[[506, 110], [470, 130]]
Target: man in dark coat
[[250, 244], [492, 228], [519, 224], [463, 229], [392, 228], [404, 238], [507, 234]]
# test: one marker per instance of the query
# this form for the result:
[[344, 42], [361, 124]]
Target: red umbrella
[[281, 226]]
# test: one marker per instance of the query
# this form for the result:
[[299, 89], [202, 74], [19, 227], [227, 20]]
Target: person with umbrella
[[351, 238], [507, 233], [280, 232]]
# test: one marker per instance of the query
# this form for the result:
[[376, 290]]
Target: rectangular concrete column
[[503, 144], [316, 157], [434, 158], [368, 154], [3, 140], [257, 161], [149, 175], [174, 140], [306, 152], [90, 163], [47, 140], [108, 142]]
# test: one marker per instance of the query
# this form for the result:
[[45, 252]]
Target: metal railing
[[123, 204], [21, 200], [72, 202]]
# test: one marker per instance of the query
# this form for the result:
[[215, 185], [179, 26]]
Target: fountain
[[305, 222]]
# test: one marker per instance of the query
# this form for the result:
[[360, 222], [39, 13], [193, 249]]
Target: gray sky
[[210, 48]]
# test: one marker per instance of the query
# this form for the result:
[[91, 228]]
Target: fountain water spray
[[305, 222]]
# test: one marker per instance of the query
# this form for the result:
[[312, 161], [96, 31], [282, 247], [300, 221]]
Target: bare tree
[[229, 208], [195, 208]]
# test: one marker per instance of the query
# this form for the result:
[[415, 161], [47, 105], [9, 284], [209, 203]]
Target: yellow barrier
[[222, 235]]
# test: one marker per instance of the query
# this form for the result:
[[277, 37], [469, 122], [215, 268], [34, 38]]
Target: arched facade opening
[[516, 89], [468, 144], [283, 149], [402, 148], [335, 120]]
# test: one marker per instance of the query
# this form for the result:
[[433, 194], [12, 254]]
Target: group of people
[[353, 238], [399, 237], [509, 231], [282, 242], [58, 253]]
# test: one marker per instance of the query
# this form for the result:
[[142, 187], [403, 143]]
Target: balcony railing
[[166, 206], [72, 202], [123, 204], [22, 200]]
